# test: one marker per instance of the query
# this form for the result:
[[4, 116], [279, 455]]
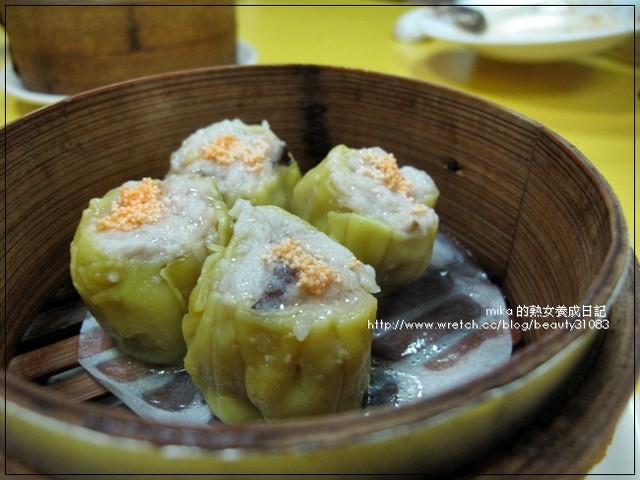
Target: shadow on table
[[558, 83]]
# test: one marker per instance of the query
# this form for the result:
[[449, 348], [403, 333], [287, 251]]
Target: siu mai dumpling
[[281, 325], [248, 161], [137, 254], [382, 213]]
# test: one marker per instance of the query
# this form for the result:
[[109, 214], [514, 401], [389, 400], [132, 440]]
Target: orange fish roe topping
[[227, 149], [385, 167], [354, 263], [314, 274], [136, 205], [419, 209]]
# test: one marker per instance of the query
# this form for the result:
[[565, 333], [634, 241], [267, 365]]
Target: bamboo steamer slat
[[65, 49], [513, 192]]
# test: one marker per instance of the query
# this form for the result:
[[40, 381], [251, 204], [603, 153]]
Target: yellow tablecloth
[[589, 100]]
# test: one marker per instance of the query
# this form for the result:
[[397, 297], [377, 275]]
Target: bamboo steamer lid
[[71, 47]]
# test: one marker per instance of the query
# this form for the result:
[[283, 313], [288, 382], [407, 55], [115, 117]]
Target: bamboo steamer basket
[[537, 215], [69, 47]]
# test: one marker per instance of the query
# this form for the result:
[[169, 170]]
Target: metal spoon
[[466, 18], [413, 25]]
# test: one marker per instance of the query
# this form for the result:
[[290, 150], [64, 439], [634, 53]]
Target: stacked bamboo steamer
[[68, 47]]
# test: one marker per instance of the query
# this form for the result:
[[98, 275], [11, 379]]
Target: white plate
[[11, 83], [529, 33]]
